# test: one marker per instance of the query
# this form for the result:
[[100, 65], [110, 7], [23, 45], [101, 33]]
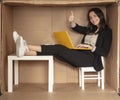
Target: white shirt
[[91, 39]]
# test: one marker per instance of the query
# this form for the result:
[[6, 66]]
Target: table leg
[[50, 75], [16, 72], [10, 75]]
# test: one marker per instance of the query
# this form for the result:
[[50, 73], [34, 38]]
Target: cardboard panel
[[34, 22], [33, 72], [45, 1], [1, 73], [7, 40], [112, 59], [118, 75], [58, 2]]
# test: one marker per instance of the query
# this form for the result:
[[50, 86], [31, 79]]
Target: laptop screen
[[63, 38]]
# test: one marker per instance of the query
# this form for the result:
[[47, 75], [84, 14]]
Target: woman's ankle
[[34, 48], [30, 53]]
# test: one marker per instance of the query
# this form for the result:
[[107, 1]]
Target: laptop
[[63, 38]]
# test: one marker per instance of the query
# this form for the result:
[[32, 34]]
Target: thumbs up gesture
[[71, 17]]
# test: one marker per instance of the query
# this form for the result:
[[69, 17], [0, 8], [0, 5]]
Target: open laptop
[[63, 38]]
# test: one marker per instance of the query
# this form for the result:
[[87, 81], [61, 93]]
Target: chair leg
[[98, 79], [102, 75], [80, 81], [83, 83]]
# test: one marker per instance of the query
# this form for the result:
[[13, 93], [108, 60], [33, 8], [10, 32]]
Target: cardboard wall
[[36, 24], [119, 49], [7, 40], [1, 73], [112, 62], [118, 71]]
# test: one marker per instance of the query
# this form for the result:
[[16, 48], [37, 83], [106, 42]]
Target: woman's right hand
[[71, 17], [84, 46]]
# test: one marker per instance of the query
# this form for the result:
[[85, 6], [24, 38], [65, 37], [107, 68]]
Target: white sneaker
[[15, 36], [25, 44], [20, 47]]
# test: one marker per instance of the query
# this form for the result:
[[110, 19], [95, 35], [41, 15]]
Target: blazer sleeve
[[104, 43], [80, 29]]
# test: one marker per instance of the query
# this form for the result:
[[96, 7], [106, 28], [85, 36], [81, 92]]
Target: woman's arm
[[80, 29], [76, 27]]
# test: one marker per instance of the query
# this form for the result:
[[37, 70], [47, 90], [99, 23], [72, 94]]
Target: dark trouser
[[77, 58]]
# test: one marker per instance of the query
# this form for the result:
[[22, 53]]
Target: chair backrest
[[103, 61]]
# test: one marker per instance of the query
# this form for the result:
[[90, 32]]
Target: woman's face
[[94, 19]]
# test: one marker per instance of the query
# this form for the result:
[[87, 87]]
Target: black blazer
[[103, 44]]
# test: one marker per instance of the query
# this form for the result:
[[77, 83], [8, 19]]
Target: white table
[[13, 61]]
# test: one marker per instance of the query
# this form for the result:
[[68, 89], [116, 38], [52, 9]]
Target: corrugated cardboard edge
[[55, 2]]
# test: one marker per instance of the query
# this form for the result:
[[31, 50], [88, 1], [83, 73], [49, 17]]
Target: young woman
[[97, 36]]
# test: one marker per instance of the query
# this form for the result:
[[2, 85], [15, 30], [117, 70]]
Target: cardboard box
[[36, 20]]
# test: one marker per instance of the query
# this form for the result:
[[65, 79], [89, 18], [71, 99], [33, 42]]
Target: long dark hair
[[99, 13]]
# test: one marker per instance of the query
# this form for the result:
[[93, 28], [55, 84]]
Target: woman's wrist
[[73, 24], [92, 47]]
